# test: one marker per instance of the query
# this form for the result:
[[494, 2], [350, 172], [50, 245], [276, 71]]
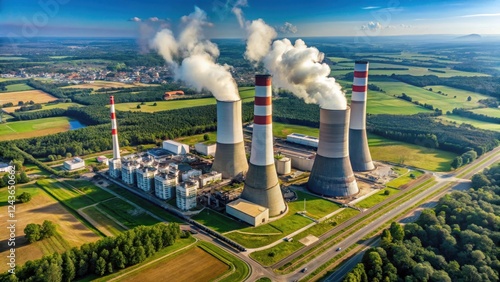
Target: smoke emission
[[193, 58], [295, 67]]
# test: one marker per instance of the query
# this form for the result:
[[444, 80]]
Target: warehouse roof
[[247, 207]]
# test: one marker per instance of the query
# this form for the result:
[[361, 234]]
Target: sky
[[311, 18]]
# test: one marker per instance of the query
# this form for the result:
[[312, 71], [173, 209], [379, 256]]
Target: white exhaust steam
[[193, 58], [295, 67]]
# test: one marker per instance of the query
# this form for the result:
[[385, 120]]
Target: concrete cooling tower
[[230, 157], [359, 152], [332, 174], [115, 165], [261, 184]]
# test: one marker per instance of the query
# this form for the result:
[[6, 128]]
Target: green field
[[17, 87], [58, 106], [32, 128], [265, 234], [103, 219], [30, 188], [218, 222], [492, 112], [405, 178], [476, 123], [126, 213], [376, 198], [386, 103], [383, 149], [191, 140], [281, 130], [11, 58], [246, 94], [92, 191]]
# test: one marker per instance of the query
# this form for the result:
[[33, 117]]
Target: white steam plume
[[295, 67], [192, 58]]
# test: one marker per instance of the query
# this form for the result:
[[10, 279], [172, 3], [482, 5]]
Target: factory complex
[[173, 172]]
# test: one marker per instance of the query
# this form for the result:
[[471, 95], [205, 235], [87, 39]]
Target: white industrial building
[[210, 178], [5, 167], [146, 178], [248, 212], [165, 184], [74, 164], [175, 147], [186, 195], [192, 173], [102, 160], [206, 148], [302, 140], [283, 165]]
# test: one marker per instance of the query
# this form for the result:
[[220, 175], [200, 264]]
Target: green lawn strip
[[376, 198], [103, 219], [179, 244], [127, 214], [458, 120], [65, 194], [17, 87], [404, 179], [241, 269], [198, 138], [218, 222], [158, 211], [359, 223], [29, 188], [92, 191], [70, 209]]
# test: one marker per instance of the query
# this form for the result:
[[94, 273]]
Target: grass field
[[476, 123], [12, 58], [492, 112], [404, 179], [17, 87], [31, 128], [98, 84], [71, 232], [90, 190], [265, 234], [246, 94], [104, 221], [36, 96], [218, 222], [127, 214], [376, 198], [383, 149], [281, 130], [382, 103], [191, 140]]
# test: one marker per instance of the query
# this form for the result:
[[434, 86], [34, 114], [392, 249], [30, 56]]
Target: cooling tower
[[230, 157], [261, 183], [115, 163], [332, 174], [359, 152]]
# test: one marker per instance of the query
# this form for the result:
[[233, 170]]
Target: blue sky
[[112, 18]]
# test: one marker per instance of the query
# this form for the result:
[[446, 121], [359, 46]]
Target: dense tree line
[[54, 90], [57, 112], [415, 129], [101, 258], [29, 107], [458, 240], [472, 115]]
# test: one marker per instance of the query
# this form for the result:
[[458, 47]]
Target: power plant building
[[359, 152], [74, 164], [283, 165], [332, 174], [261, 183], [248, 212], [207, 149], [302, 140], [230, 156], [186, 194], [175, 147], [209, 178]]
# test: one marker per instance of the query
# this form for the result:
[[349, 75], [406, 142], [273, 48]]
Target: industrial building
[[248, 212], [283, 165], [361, 159], [175, 147], [261, 183], [102, 160], [302, 140], [209, 178], [230, 156], [332, 174], [74, 164], [186, 193], [207, 149]]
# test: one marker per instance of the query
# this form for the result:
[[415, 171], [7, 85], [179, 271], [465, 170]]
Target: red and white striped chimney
[[261, 183], [114, 130]]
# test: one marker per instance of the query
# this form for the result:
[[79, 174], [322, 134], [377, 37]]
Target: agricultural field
[[32, 128], [98, 84], [71, 232], [46, 107], [36, 96], [385, 103], [476, 123], [11, 58], [127, 214], [17, 87], [246, 94], [103, 221], [492, 112], [383, 149]]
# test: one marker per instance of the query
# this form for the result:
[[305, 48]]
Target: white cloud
[[480, 15], [371, 26], [135, 19], [287, 28], [154, 19], [370, 7]]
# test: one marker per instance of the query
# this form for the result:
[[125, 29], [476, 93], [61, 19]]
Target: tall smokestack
[[115, 164], [230, 157], [261, 184], [359, 152], [332, 174]]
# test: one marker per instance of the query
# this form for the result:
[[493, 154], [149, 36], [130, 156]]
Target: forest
[[102, 257], [458, 240]]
